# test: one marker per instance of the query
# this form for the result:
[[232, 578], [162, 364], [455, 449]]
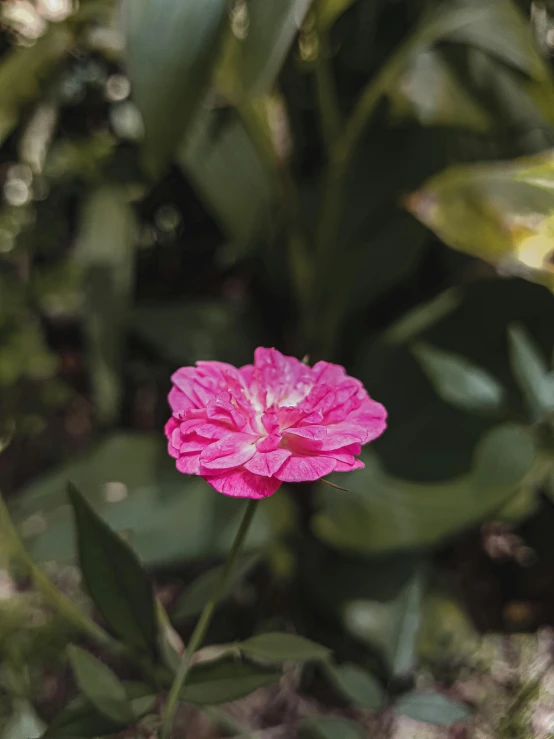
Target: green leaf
[[357, 685], [172, 47], [277, 647], [105, 252], [530, 369], [114, 578], [132, 482], [458, 381], [431, 708], [499, 212], [496, 27], [100, 686], [386, 513], [327, 12], [228, 680], [197, 594], [404, 627], [431, 92], [80, 719], [23, 723], [327, 727], [272, 28], [392, 626], [225, 167]]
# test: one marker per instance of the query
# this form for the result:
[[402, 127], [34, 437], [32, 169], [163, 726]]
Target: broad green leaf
[[328, 11], [496, 27], [23, 68], [431, 708], [114, 578], [99, 684], [132, 482], [224, 166], [531, 371], [105, 252], [401, 644], [229, 680], [391, 625], [502, 213], [430, 91], [386, 513], [458, 381], [329, 727], [172, 46], [197, 594], [80, 719], [416, 446], [272, 28], [277, 647], [357, 685], [23, 723]]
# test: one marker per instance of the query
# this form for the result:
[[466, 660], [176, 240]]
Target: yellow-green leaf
[[502, 213]]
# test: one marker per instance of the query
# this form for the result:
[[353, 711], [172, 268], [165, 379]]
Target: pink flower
[[247, 430]]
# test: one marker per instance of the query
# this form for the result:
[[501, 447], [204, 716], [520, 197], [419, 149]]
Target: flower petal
[[189, 464], [304, 468], [243, 484], [267, 463], [230, 451]]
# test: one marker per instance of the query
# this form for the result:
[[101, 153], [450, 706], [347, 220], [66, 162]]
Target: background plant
[[187, 180]]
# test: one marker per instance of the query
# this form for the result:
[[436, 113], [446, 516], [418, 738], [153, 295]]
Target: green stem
[[334, 188], [204, 621], [326, 95], [255, 121]]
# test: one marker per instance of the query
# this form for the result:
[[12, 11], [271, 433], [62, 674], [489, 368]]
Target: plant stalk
[[204, 621]]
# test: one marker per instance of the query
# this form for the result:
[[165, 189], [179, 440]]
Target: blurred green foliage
[[188, 180]]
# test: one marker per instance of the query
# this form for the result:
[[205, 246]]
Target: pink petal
[[192, 443], [243, 484], [325, 372], [270, 422], [271, 442], [303, 468], [280, 378], [230, 451], [267, 463], [189, 464], [355, 464], [170, 426], [172, 451], [222, 410], [343, 434], [313, 433], [212, 430], [178, 401]]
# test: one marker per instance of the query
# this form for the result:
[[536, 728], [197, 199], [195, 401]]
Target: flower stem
[[204, 621]]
